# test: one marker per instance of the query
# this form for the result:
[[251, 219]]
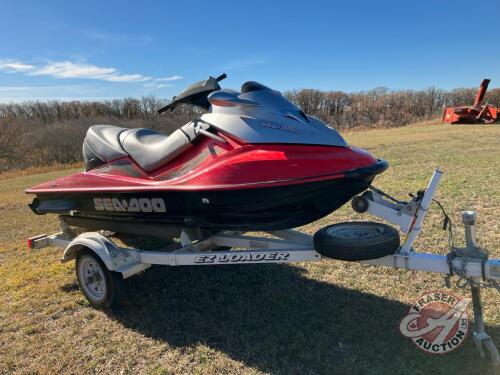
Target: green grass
[[317, 318]]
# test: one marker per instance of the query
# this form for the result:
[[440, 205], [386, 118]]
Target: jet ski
[[253, 161]]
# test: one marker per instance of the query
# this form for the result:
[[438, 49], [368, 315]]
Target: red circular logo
[[437, 322]]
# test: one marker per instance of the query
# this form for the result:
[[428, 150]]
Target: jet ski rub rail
[[471, 263]]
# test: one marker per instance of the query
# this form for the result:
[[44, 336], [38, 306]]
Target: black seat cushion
[[151, 150], [102, 145], [148, 148]]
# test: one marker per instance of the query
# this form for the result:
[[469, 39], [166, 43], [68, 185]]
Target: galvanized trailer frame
[[471, 263]]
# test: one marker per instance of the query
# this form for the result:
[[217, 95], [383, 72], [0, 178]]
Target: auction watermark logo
[[437, 322]]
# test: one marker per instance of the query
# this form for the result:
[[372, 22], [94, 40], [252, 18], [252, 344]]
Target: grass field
[[323, 318]]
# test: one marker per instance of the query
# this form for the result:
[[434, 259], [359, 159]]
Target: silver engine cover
[[266, 116]]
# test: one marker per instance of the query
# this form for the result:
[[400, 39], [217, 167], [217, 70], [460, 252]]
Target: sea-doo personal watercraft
[[253, 161]]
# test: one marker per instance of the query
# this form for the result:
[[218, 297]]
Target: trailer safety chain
[[464, 280]]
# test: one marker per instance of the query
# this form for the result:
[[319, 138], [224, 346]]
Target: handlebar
[[221, 77], [210, 85]]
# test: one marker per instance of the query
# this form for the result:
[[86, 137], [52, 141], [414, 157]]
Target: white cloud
[[69, 69], [127, 78], [172, 78], [157, 85], [14, 66]]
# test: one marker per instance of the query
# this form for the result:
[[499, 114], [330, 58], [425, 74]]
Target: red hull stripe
[[138, 188]]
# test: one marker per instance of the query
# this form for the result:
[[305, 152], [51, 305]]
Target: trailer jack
[[473, 253]]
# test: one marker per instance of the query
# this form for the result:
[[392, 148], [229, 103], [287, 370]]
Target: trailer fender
[[112, 256]]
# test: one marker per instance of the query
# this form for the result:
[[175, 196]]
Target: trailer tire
[[104, 289], [355, 241]]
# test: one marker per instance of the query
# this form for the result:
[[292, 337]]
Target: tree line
[[36, 133], [381, 107]]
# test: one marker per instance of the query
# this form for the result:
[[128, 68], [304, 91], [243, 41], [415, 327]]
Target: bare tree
[[53, 131]]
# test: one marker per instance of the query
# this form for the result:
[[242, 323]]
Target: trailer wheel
[[102, 288], [354, 241]]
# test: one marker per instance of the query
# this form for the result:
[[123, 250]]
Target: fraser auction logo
[[437, 322]]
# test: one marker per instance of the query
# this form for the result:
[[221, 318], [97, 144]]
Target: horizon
[[95, 51], [109, 99]]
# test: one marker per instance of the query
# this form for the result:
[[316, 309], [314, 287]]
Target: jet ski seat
[[148, 148], [151, 149], [101, 145]]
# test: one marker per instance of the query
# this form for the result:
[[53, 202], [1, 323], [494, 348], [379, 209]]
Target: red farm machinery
[[478, 113]]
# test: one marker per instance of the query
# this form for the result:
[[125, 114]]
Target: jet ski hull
[[262, 208]]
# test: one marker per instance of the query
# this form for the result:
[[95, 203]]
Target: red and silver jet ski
[[254, 161]]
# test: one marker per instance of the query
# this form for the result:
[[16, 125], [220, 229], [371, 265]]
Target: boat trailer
[[470, 264]]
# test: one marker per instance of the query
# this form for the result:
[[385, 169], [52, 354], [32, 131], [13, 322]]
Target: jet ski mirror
[[196, 94]]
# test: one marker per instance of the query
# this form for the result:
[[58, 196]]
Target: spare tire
[[358, 240]]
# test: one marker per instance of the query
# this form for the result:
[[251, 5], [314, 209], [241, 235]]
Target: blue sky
[[113, 49]]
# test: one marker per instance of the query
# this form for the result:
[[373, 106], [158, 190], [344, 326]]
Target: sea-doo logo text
[[130, 205], [437, 322], [242, 258], [283, 128]]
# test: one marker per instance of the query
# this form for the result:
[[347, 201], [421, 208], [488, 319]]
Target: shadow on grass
[[275, 319]]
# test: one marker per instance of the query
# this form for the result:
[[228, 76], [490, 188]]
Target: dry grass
[[38, 170], [329, 317]]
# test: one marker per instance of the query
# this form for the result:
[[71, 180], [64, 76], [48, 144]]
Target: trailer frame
[[471, 264]]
